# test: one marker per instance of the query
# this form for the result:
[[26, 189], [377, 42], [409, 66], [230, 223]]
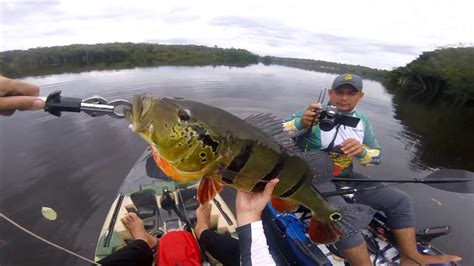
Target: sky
[[374, 33]]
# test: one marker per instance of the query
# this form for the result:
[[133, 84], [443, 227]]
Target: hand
[[18, 95], [249, 205], [351, 147], [309, 114]]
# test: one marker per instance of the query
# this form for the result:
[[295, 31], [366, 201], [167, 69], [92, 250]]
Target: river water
[[75, 164]]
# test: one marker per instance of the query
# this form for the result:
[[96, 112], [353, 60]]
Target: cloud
[[371, 33]]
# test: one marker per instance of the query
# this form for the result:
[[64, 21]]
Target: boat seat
[[144, 198], [149, 223], [146, 212]]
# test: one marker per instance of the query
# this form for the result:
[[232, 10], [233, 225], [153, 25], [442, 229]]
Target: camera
[[330, 116]]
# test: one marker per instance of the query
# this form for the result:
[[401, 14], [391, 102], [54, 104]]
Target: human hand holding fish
[[249, 205]]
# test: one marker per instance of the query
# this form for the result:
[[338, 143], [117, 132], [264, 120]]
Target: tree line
[[446, 74], [443, 75], [80, 57], [326, 67]]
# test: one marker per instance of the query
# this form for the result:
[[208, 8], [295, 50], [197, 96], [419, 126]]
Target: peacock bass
[[191, 140]]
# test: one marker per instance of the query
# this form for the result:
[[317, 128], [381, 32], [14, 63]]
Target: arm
[[372, 153], [253, 245], [297, 122], [252, 240], [368, 152]]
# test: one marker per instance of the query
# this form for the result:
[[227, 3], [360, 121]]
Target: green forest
[[326, 67], [82, 57], [443, 75]]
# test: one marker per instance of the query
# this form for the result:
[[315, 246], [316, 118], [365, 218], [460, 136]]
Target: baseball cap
[[348, 79]]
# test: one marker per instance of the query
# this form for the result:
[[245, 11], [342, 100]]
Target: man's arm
[[252, 240], [372, 153], [297, 122], [368, 152], [253, 245]]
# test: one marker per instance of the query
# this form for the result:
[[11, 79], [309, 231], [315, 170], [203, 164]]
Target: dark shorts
[[395, 204]]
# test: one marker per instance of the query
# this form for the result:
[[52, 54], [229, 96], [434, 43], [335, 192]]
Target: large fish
[[191, 140]]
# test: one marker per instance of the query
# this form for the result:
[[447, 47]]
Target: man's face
[[345, 98]]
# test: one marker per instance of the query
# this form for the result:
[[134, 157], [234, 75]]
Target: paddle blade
[[454, 180]]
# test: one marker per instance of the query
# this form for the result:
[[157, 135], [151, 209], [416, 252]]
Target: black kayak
[[146, 189]]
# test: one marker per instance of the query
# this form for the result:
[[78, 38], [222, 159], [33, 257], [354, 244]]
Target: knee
[[350, 242], [400, 202], [404, 201], [401, 213]]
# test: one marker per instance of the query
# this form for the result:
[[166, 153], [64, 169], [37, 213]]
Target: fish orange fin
[[284, 205], [323, 233], [167, 168], [208, 189]]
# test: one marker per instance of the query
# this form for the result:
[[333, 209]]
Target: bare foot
[[135, 226], [203, 215], [426, 259]]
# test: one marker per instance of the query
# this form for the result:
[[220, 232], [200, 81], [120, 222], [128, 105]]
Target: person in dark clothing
[[250, 249]]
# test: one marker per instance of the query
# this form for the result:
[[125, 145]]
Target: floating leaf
[[49, 213]]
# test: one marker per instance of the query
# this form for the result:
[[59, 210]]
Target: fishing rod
[[452, 180]]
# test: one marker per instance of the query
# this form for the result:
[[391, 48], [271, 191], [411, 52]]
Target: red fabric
[[178, 248]]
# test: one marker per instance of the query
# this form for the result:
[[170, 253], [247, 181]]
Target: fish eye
[[184, 114]]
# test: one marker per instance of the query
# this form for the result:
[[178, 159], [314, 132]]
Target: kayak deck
[[145, 186]]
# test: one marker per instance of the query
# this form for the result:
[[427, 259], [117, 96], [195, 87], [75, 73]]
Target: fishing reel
[[330, 117]]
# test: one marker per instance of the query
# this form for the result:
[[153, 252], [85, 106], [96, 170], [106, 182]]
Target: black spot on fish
[[205, 138], [202, 154], [293, 189], [272, 174]]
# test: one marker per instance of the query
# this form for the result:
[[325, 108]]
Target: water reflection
[[439, 136]]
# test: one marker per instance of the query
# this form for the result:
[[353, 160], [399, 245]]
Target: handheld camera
[[330, 116]]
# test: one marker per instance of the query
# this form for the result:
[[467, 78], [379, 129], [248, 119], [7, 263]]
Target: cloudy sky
[[374, 33]]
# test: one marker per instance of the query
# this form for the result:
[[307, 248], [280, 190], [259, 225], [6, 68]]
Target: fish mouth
[[139, 113]]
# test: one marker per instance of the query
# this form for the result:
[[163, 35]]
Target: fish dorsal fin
[[272, 127], [320, 164]]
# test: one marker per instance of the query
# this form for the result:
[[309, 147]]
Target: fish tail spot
[[335, 216]]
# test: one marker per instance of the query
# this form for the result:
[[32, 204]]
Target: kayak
[[148, 192], [144, 191]]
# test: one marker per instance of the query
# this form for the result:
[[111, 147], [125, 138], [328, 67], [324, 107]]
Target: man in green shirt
[[343, 144]]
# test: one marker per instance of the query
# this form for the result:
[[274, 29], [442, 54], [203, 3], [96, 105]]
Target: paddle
[[453, 180]]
